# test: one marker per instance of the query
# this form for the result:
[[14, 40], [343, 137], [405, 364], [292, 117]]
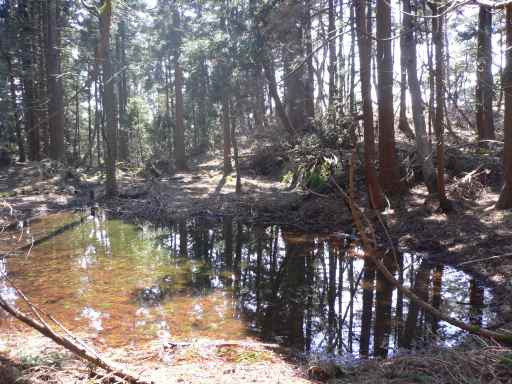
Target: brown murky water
[[129, 285]]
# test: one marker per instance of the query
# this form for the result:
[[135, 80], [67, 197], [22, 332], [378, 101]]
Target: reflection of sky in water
[[98, 267], [94, 318], [6, 291]]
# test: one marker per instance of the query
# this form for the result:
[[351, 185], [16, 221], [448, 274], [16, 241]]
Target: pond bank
[[473, 232]]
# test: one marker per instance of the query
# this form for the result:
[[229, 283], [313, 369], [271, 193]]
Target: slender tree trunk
[[341, 59], [309, 86], [55, 87], [76, 144], [228, 168], [505, 200], [90, 136], [484, 88], [332, 63], [388, 163], [203, 112], [438, 40], [423, 147], [352, 84], [14, 106], [97, 119], [403, 123], [234, 142], [376, 196], [295, 80], [179, 142], [280, 109], [31, 126], [108, 100], [122, 92]]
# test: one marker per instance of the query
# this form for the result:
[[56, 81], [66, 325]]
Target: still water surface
[[126, 284]]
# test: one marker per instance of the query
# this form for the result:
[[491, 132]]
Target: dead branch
[[485, 259], [369, 244], [81, 350]]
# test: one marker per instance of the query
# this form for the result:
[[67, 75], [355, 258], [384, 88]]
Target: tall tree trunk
[[203, 111], [76, 143], [280, 109], [376, 196], [55, 88], [228, 168], [108, 100], [505, 200], [341, 59], [123, 92], [309, 86], [423, 147], [179, 142], [14, 106], [331, 36], [296, 80], [27, 35], [388, 164], [90, 136], [238, 187], [484, 88], [403, 123], [438, 41]]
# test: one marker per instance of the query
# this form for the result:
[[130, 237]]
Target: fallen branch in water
[[78, 348], [369, 244]]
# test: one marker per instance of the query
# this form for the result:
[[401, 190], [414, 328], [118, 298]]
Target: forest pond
[[127, 285]]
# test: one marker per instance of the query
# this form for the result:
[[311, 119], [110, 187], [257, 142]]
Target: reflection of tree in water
[[316, 294]]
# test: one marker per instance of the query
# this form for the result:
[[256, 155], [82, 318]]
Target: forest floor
[[474, 237]]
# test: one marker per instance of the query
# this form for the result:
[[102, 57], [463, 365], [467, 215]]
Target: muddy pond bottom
[[128, 285]]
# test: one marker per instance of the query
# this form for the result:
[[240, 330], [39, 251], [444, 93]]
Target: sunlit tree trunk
[[309, 86], [505, 200], [228, 168], [403, 123], [423, 147], [389, 174], [332, 62], [438, 41], [108, 99], [376, 196], [179, 140], [55, 88], [14, 105], [28, 76], [123, 92]]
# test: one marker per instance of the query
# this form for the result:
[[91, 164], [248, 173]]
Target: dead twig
[[485, 259]]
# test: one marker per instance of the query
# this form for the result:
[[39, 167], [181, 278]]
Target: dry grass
[[491, 364]]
